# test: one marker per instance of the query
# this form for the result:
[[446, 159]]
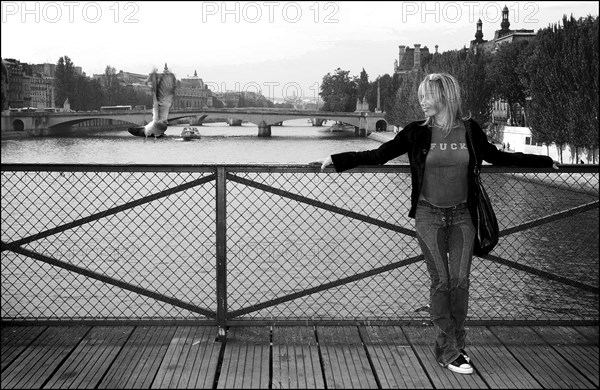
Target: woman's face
[[428, 104]]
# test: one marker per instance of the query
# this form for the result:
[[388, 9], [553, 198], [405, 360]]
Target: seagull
[[163, 93]]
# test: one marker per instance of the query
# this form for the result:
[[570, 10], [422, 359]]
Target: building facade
[[33, 86], [410, 59], [41, 91], [14, 94], [46, 69], [503, 35], [136, 80], [27, 86], [192, 93], [4, 86]]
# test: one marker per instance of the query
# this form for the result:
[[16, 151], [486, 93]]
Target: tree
[[128, 96], [241, 100], [338, 91], [94, 95], [406, 107], [504, 72], [111, 87], [581, 52], [65, 81], [469, 69], [563, 85], [388, 86], [363, 85], [217, 103], [79, 100]]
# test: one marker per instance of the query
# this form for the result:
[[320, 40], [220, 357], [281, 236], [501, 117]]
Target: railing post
[[221, 241]]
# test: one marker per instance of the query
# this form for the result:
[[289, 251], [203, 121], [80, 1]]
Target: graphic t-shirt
[[445, 180]]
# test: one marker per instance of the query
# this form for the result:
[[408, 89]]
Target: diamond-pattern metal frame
[[271, 243], [101, 242]]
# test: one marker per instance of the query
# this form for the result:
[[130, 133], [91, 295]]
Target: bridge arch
[[346, 121], [274, 119], [77, 121], [381, 125], [18, 125], [195, 117]]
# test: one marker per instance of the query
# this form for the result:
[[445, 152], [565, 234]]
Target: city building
[[501, 114], [192, 93], [136, 80], [410, 59], [130, 78], [46, 69], [14, 93], [503, 35], [28, 85], [41, 90], [4, 86]]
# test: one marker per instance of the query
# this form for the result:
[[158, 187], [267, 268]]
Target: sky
[[280, 48]]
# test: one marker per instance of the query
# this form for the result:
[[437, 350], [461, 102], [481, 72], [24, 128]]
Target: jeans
[[446, 236]]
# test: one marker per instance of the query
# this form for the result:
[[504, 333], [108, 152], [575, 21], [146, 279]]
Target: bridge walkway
[[270, 357]]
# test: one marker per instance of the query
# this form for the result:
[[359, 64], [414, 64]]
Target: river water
[[296, 142]]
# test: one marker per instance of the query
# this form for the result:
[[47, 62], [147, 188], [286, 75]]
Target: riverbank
[[382, 136], [59, 132], [6, 135]]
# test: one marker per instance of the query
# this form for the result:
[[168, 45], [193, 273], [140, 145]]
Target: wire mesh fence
[[121, 242]]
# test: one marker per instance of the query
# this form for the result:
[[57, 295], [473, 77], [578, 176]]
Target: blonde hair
[[445, 92]]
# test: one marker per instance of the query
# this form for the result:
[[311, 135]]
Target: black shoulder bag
[[486, 224]]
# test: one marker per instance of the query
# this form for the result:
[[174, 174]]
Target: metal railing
[[244, 244]]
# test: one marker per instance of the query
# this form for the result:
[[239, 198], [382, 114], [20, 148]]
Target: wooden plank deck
[[287, 357]]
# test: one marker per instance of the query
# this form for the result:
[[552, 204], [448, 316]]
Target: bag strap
[[470, 138]]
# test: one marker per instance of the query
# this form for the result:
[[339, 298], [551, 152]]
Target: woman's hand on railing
[[324, 162], [555, 164]]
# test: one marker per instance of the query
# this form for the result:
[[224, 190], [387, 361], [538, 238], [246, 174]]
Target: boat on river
[[339, 126], [190, 133]]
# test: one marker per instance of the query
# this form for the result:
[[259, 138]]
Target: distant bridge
[[42, 123]]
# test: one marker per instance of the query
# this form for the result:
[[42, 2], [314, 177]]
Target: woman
[[441, 158]]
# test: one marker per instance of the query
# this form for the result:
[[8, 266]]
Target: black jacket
[[415, 139]]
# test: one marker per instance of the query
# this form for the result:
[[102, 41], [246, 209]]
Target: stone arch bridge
[[42, 123]]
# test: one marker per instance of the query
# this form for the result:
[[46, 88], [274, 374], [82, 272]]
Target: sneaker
[[467, 358], [460, 365]]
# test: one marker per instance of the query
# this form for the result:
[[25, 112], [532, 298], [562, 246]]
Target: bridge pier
[[360, 132], [197, 120], [264, 130], [32, 126], [363, 126], [234, 122]]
